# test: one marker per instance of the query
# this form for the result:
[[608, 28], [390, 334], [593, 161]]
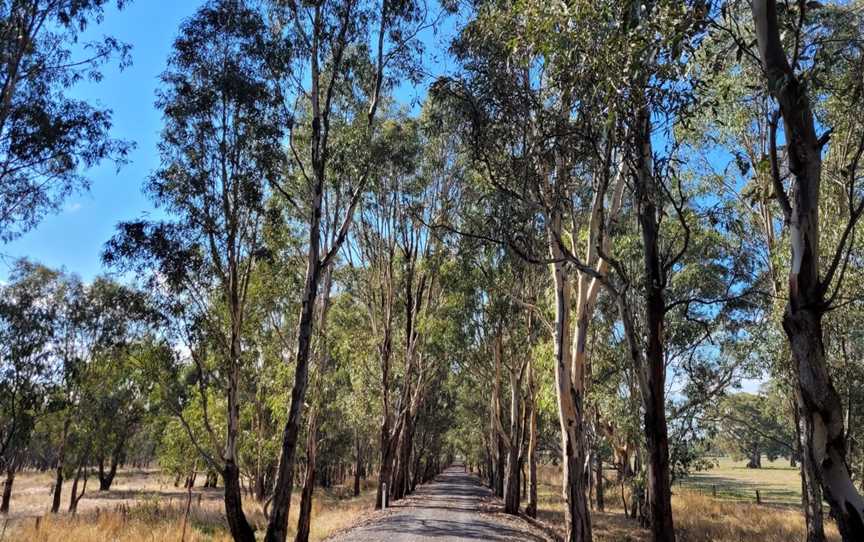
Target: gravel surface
[[447, 509]]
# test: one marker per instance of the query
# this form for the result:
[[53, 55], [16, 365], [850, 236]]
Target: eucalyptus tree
[[751, 426], [117, 407], [330, 40], [372, 261], [528, 125], [92, 320], [47, 137], [790, 68], [510, 324], [736, 119], [27, 323], [221, 148]]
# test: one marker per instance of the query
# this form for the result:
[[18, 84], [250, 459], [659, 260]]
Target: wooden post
[[714, 491], [758, 497], [384, 496]]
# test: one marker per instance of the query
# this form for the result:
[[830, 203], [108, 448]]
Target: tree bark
[[106, 479], [7, 488], [576, 516], [599, 486], [511, 478], [75, 497], [648, 359], [239, 526], [240, 529], [531, 508], [403, 454], [821, 410], [277, 529], [811, 491], [755, 461], [387, 440], [61, 458], [652, 371], [357, 465], [305, 517]]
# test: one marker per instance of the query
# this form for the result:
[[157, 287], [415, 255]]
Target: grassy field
[[144, 506], [733, 516], [777, 482]]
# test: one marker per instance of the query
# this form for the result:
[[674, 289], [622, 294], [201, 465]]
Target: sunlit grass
[[699, 517], [777, 482], [145, 507]]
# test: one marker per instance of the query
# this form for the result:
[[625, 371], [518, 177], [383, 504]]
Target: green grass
[[777, 482]]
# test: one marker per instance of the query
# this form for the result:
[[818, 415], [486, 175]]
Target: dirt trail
[[447, 509]]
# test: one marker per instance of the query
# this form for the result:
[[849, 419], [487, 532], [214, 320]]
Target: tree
[[221, 147], [823, 436], [27, 319], [752, 425], [328, 37], [46, 136]]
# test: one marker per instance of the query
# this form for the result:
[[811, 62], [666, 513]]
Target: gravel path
[[447, 509]]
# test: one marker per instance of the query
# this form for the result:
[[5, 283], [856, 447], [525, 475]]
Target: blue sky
[[73, 238]]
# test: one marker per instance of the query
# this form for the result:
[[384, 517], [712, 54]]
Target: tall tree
[[47, 137], [221, 147], [27, 320], [810, 284], [329, 38]]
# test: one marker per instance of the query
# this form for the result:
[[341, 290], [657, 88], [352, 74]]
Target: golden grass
[[699, 517], [145, 506]]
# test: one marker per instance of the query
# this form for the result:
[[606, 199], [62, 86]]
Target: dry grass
[[699, 517], [145, 506]]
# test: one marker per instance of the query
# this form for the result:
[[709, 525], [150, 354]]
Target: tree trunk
[[277, 528], [61, 458], [651, 371], [239, 526], [75, 497], [403, 453], [755, 461], [240, 529], [811, 491], [357, 466], [576, 516], [7, 488], [305, 517], [599, 489], [385, 469], [823, 435], [106, 479], [500, 467], [511, 481], [531, 508]]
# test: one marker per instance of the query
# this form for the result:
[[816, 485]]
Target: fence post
[[714, 491], [384, 496], [758, 497]]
